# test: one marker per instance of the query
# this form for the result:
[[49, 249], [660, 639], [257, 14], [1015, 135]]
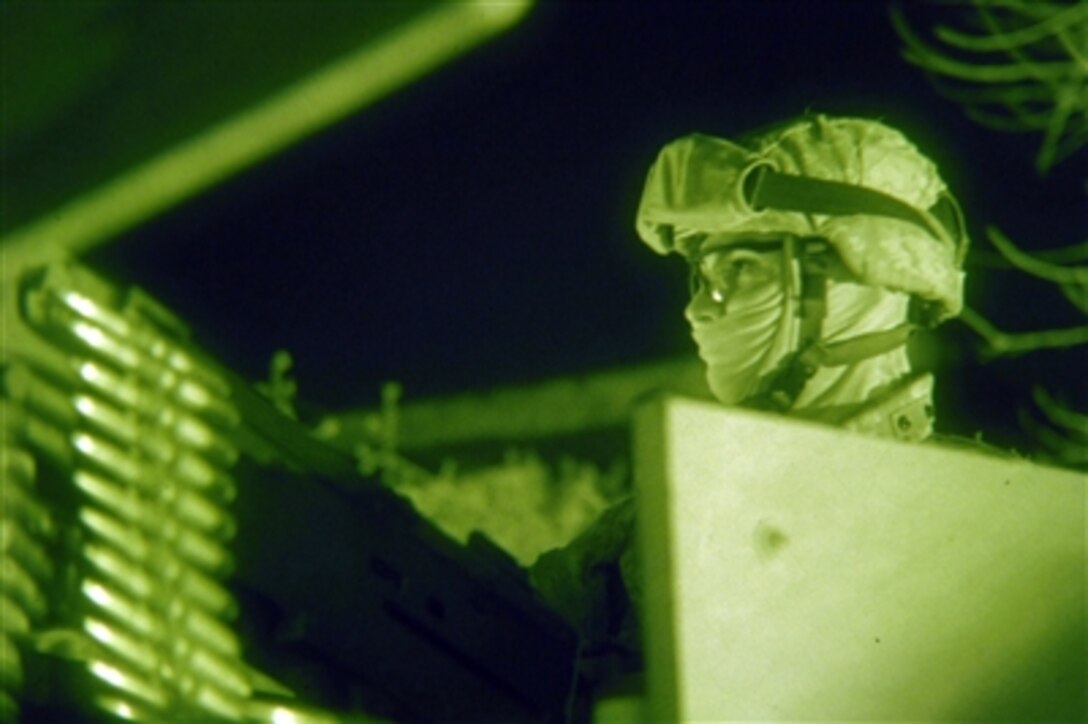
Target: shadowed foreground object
[[131, 437], [384, 47], [165, 529]]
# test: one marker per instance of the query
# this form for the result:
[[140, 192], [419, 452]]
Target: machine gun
[[175, 547]]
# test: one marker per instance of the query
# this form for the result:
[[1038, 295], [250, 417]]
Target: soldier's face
[[730, 274]]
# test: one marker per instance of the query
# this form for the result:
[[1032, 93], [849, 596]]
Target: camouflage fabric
[[697, 185]]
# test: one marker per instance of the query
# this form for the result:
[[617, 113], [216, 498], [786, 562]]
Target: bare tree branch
[[1077, 295], [1027, 63], [1071, 254], [1060, 415], [1042, 30], [1065, 450], [1036, 267], [1001, 344], [933, 60]]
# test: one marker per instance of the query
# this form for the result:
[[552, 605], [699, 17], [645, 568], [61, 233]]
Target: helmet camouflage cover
[[697, 184]]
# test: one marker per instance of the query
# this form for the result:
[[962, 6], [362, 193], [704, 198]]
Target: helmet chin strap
[[780, 388]]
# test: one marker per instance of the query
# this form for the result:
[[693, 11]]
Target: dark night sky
[[476, 229]]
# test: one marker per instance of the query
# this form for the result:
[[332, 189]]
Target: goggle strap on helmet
[[766, 188]]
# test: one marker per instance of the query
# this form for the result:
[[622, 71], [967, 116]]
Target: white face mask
[[745, 341]]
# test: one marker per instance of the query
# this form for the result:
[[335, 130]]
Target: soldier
[[816, 248]]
